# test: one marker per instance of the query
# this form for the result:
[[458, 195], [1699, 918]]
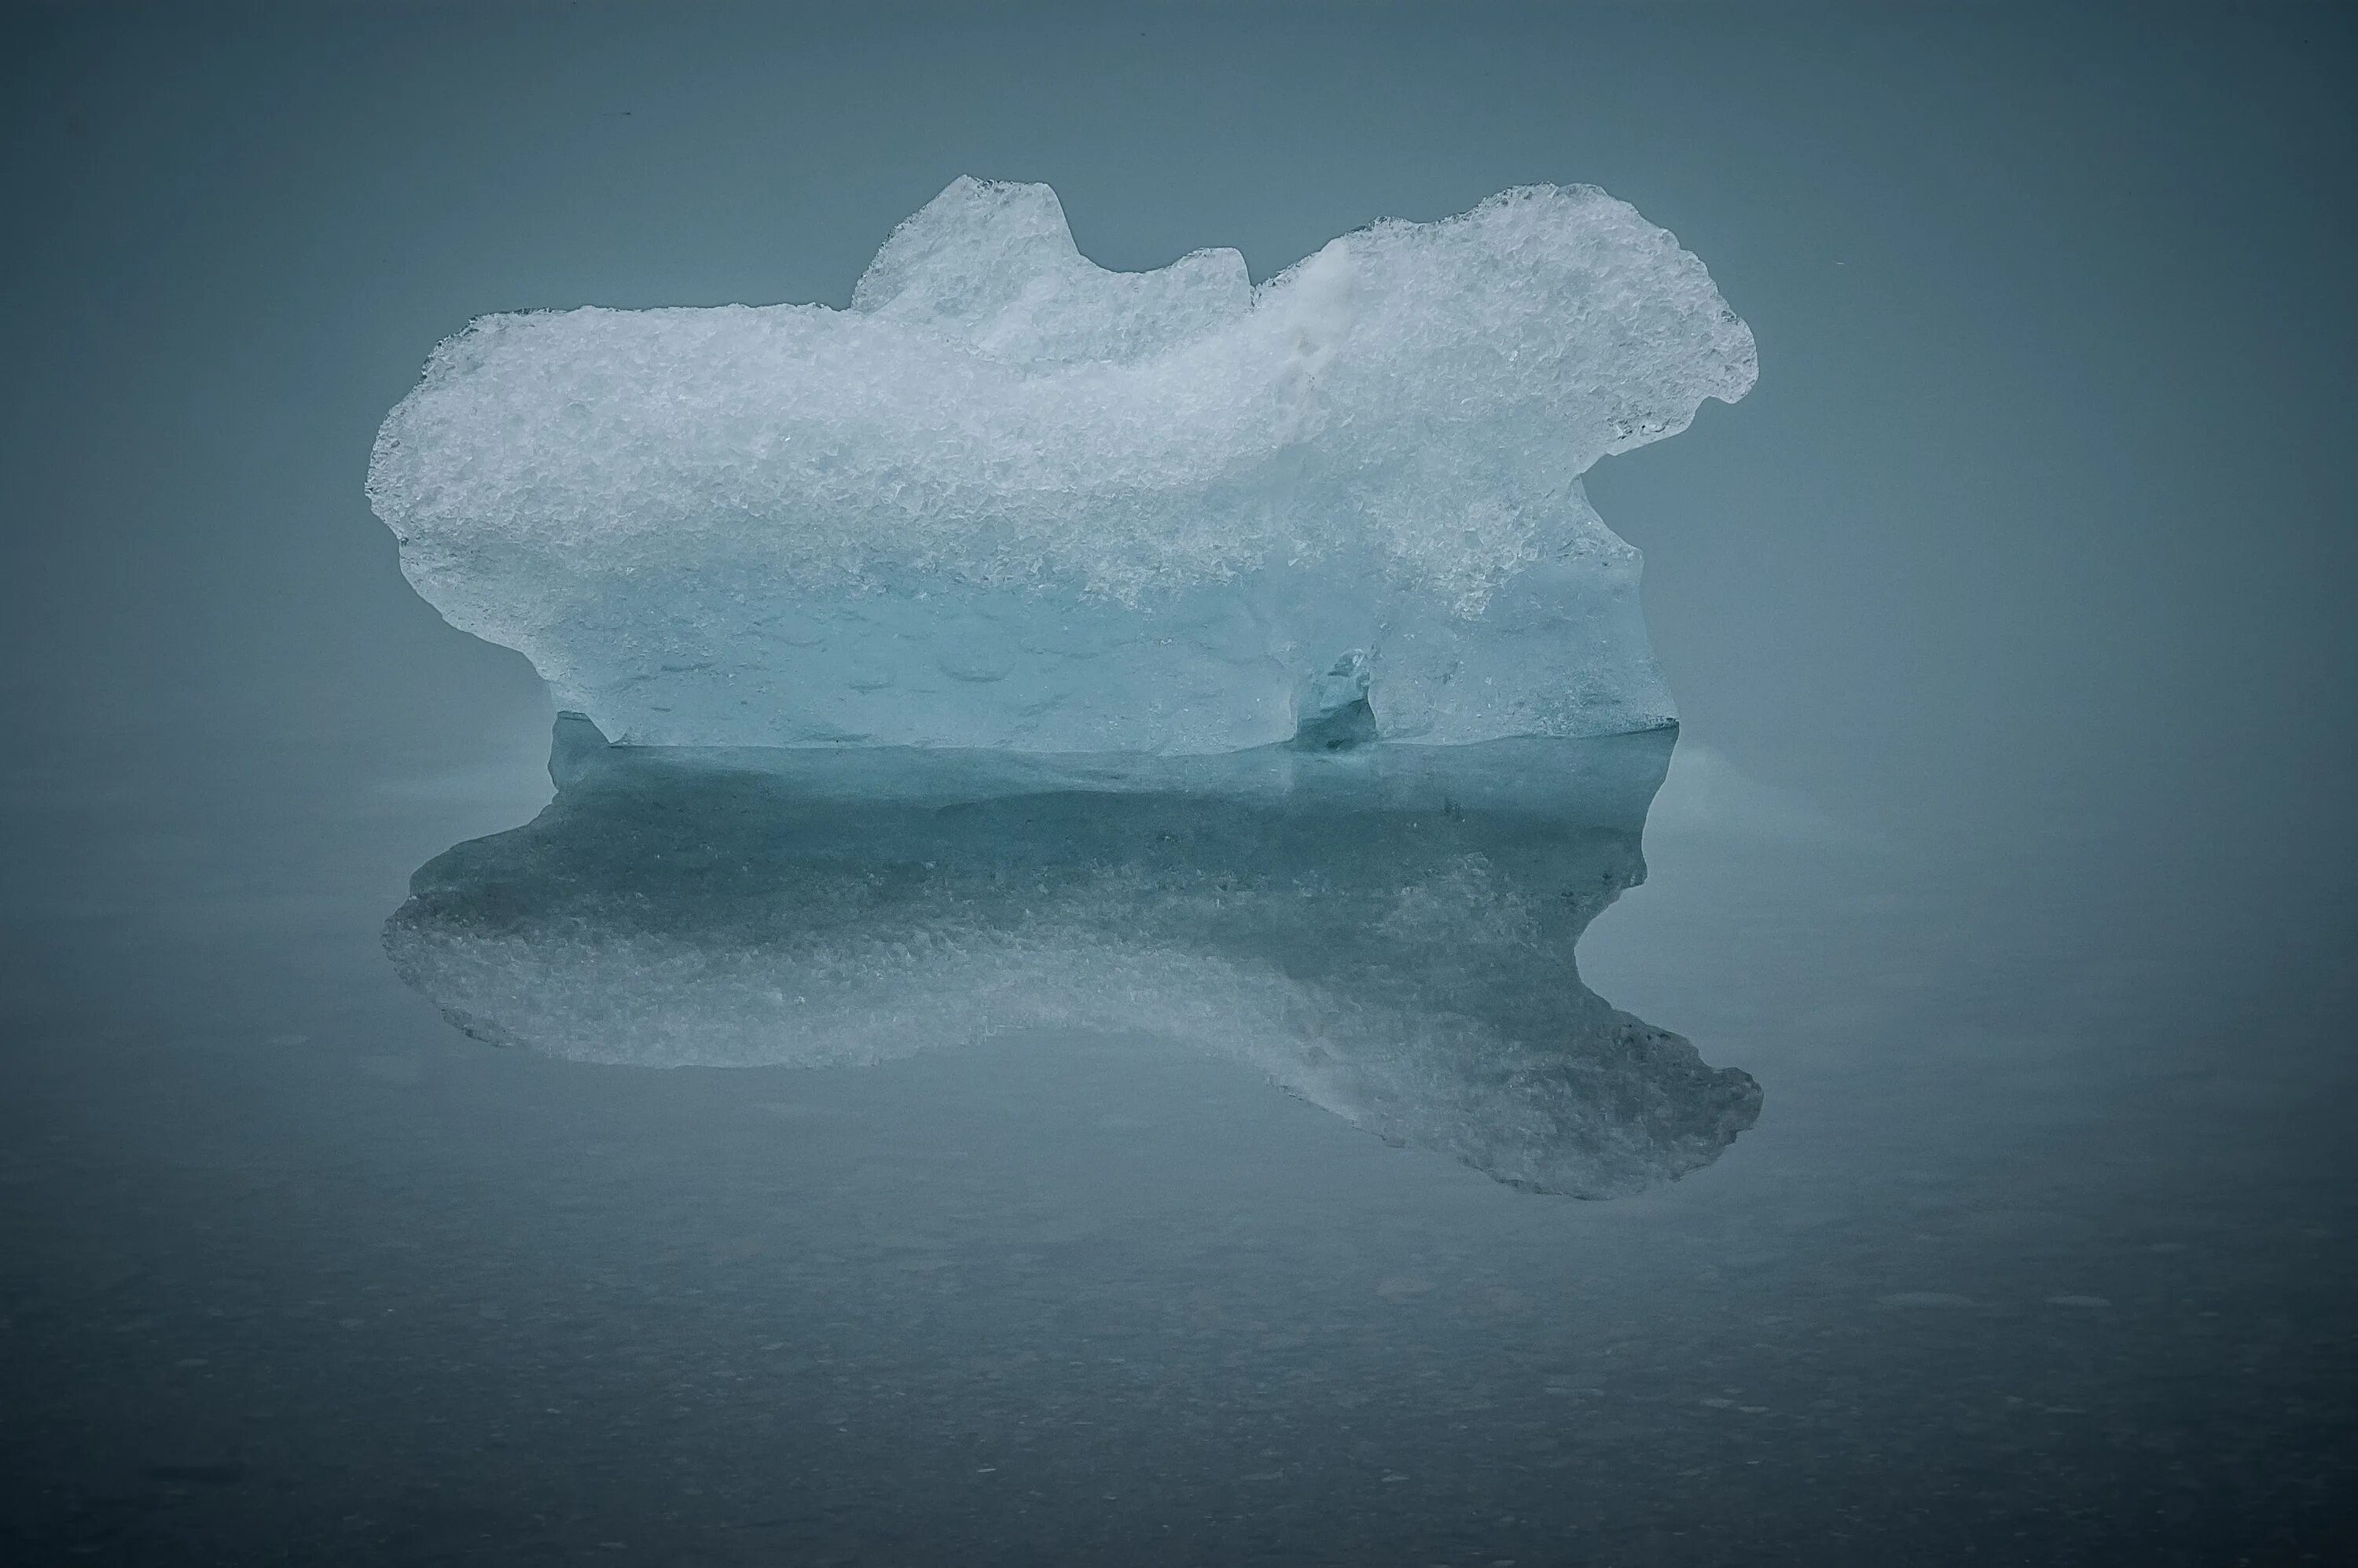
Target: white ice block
[[1010, 499]]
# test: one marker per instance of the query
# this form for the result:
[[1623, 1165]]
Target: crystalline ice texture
[[1010, 499]]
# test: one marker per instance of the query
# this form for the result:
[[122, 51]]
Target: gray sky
[[2041, 491]]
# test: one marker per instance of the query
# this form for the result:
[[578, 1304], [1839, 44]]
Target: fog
[[2002, 846]]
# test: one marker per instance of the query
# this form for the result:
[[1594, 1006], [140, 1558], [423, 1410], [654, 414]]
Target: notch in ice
[[1011, 500]]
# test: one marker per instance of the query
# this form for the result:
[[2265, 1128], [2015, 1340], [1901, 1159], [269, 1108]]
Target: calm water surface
[[2039, 1252], [2023, 580]]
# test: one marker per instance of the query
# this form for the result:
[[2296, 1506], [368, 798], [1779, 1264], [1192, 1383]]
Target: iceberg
[[1385, 931], [1011, 500]]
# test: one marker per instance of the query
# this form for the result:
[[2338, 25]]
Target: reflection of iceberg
[[1387, 931], [1010, 499]]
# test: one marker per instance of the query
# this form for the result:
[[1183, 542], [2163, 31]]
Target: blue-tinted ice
[[1010, 499], [1034, 646]]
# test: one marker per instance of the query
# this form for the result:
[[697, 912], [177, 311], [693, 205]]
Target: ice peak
[[993, 262]]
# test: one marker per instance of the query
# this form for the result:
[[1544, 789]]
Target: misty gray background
[[2007, 843], [2039, 486]]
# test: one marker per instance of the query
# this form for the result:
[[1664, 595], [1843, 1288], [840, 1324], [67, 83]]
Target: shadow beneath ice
[[1386, 931]]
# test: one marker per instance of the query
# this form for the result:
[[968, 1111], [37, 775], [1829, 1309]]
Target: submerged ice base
[[1387, 932], [1010, 499]]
